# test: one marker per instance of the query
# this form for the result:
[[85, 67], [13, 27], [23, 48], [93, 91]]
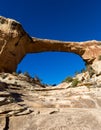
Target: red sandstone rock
[[15, 43]]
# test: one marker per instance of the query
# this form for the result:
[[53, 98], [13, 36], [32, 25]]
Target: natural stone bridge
[[15, 43]]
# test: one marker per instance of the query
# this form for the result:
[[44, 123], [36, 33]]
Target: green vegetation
[[68, 79], [37, 79], [90, 70], [27, 74], [75, 82], [99, 57], [11, 99]]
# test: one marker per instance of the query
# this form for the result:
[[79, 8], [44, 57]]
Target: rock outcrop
[[25, 105], [15, 43]]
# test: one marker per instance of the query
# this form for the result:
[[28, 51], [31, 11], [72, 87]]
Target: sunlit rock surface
[[26, 104], [15, 43]]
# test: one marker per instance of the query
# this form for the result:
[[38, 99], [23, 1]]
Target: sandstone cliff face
[[28, 105], [13, 40], [15, 43]]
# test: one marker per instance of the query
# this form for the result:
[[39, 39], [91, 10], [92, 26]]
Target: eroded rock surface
[[26, 105], [15, 43]]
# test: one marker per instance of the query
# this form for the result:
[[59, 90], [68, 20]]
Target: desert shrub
[[99, 58], [74, 82], [27, 74], [68, 79], [37, 79], [11, 99], [90, 70]]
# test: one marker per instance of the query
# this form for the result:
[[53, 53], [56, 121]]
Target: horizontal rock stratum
[[15, 43], [26, 105]]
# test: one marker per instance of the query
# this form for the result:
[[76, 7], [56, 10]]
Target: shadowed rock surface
[[15, 43], [26, 104]]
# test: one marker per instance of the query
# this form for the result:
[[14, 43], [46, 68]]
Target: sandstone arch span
[[15, 43]]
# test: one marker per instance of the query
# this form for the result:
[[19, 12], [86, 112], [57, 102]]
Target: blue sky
[[68, 20]]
